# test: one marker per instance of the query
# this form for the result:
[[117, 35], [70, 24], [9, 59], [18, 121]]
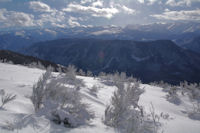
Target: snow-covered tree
[[71, 72], [89, 73], [39, 89], [81, 72], [172, 95], [63, 105], [124, 113], [193, 92], [59, 101], [6, 98]]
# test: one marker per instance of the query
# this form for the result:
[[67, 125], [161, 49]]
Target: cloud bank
[[70, 13], [184, 15]]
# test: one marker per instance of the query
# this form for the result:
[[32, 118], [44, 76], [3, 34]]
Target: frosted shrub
[[105, 76], [6, 98], [63, 105], [195, 112], [172, 95], [71, 72], [39, 89], [106, 79], [70, 77], [166, 87], [119, 77], [89, 74], [59, 102], [36, 65], [22, 121], [124, 113], [122, 77], [81, 72], [193, 92], [102, 74], [154, 119]]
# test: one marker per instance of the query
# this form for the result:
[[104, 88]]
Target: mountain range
[[179, 33], [148, 61]]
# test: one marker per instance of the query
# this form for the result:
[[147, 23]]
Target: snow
[[107, 31], [139, 59], [19, 113], [180, 123]]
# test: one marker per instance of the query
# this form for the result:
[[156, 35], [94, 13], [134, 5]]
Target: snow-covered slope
[[18, 80]]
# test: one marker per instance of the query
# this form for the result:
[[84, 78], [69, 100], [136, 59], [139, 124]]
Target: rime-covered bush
[[122, 77], [71, 72], [124, 113], [106, 79], [39, 89], [119, 77], [81, 72], [166, 87], [36, 65], [172, 95], [89, 74], [105, 76], [60, 101], [195, 112], [63, 105], [70, 77], [6, 98], [112, 79], [192, 90], [102, 74]]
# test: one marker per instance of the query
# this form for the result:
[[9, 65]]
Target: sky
[[86, 13]]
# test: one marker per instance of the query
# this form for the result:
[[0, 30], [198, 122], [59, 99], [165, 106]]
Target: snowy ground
[[19, 80]]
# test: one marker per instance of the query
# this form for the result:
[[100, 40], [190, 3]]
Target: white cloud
[[187, 15], [51, 32], [38, 6], [86, 1], [177, 3], [167, 10], [56, 18], [73, 22], [94, 11], [141, 1], [149, 2], [128, 10], [59, 25], [97, 3], [181, 2], [15, 19], [123, 9], [96, 8]]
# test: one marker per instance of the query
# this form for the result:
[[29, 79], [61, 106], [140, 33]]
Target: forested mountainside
[[148, 61]]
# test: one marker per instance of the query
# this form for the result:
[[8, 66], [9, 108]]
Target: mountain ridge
[[17, 58], [149, 61], [180, 33]]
